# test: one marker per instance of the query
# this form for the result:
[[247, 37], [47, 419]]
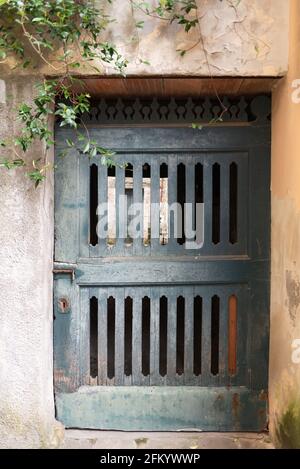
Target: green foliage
[[9, 164], [30, 30], [33, 31], [184, 12]]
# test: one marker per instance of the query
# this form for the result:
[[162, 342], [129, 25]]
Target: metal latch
[[65, 271]]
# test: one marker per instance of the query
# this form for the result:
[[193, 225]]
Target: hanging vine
[[32, 31], [186, 14], [66, 36]]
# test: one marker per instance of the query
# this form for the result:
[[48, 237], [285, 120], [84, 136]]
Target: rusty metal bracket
[[65, 271]]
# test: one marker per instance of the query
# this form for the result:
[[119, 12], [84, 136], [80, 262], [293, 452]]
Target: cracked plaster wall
[[241, 38]]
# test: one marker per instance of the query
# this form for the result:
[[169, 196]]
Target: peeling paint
[[136, 408]]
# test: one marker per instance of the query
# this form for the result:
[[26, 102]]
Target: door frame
[[235, 404]]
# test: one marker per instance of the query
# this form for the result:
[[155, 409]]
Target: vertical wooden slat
[[197, 335], [223, 337], [119, 335], [102, 336], [233, 190], [136, 337], [84, 333], [93, 293], [84, 205], [206, 338], [171, 336], [102, 199], [215, 336], [189, 335], [172, 199], [155, 377], [207, 198], [189, 218], [145, 292], [128, 294], [138, 199], [243, 353], [155, 199], [232, 334], [121, 211], [242, 203], [93, 215], [111, 337], [224, 205], [146, 197]]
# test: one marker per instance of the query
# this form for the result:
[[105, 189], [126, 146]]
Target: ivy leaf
[[93, 152], [69, 142], [10, 164], [86, 148], [38, 19], [197, 126], [52, 25], [75, 65], [36, 177], [145, 62], [26, 63], [63, 153], [80, 137], [139, 24]]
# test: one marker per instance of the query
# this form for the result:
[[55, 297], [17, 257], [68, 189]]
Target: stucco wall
[[245, 38], [285, 297], [26, 239], [240, 38]]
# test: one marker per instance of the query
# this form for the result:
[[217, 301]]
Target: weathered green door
[[151, 332]]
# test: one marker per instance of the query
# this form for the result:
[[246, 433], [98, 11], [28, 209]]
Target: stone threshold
[[98, 439]]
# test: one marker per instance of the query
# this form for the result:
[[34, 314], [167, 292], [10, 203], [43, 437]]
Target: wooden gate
[[156, 332]]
